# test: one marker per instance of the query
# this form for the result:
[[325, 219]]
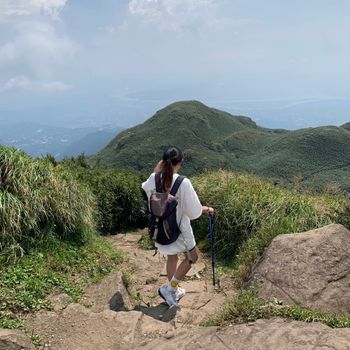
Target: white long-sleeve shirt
[[188, 208]]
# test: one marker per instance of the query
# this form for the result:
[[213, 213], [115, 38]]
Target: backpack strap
[[177, 184], [158, 183]]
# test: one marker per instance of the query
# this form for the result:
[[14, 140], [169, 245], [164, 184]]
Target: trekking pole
[[212, 246]]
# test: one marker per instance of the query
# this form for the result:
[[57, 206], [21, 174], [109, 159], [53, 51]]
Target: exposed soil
[[109, 312], [111, 317]]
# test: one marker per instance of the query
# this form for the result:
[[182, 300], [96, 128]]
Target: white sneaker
[[180, 293], [168, 293]]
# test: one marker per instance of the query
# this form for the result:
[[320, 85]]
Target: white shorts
[[181, 245]]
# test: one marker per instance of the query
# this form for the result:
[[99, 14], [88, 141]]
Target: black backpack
[[162, 226]]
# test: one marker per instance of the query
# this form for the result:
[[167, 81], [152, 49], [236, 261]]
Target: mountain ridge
[[213, 139]]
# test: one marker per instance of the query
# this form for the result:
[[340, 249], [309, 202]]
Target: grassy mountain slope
[[317, 155], [205, 135], [213, 139]]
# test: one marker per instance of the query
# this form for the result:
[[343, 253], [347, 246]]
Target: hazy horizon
[[82, 63]]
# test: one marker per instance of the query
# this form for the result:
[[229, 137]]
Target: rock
[[13, 339], [127, 239], [309, 269], [109, 293], [60, 301], [98, 330], [103, 330], [197, 268], [151, 280], [170, 334], [286, 335], [271, 334]]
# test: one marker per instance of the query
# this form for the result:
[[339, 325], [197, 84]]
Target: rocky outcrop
[[275, 334], [12, 339], [309, 269], [79, 328], [108, 294]]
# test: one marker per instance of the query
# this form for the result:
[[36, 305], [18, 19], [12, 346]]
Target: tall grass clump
[[120, 200], [36, 200], [251, 212], [247, 306]]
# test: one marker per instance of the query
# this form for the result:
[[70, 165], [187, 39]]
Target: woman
[[189, 208]]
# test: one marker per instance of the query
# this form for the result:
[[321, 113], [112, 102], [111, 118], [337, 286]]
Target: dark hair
[[171, 157]]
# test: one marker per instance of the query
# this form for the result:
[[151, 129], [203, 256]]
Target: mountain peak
[[196, 128]]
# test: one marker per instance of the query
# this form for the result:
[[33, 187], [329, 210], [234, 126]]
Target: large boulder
[[13, 339], [309, 269], [109, 293]]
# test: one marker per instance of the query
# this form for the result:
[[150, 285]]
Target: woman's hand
[[158, 167], [208, 210]]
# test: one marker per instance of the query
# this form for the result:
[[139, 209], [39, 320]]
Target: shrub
[[36, 198], [120, 199], [250, 213]]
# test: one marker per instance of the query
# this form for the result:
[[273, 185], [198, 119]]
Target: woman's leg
[[171, 266], [185, 265]]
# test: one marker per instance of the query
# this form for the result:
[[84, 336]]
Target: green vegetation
[[145, 242], [251, 212], [211, 139], [248, 307], [70, 200], [128, 278], [49, 213], [194, 127], [37, 199], [121, 203], [318, 156], [53, 267]]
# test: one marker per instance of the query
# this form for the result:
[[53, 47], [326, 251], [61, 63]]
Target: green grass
[[121, 203], [251, 212], [128, 278], [145, 242], [212, 139], [248, 307], [37, 198], [56, 267]]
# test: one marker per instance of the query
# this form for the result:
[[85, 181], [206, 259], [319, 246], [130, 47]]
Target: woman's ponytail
[[167, 175], [171, 157]]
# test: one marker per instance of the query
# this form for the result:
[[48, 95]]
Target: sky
[[285, 64]]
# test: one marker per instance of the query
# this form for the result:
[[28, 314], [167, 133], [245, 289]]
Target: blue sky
[[84, 62]]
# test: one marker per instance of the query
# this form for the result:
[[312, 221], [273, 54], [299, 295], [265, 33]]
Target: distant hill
[[213, 139]]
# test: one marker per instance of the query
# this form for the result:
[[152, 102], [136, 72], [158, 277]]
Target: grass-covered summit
[[213, 139], [205, 134]]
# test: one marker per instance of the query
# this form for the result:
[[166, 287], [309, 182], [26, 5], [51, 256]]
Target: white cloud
[[9, 8], [170, 14], [37, 48], [22, 82]]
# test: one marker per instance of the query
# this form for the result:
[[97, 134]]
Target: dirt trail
[[109, 319], [112, 317], [149, 273]]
